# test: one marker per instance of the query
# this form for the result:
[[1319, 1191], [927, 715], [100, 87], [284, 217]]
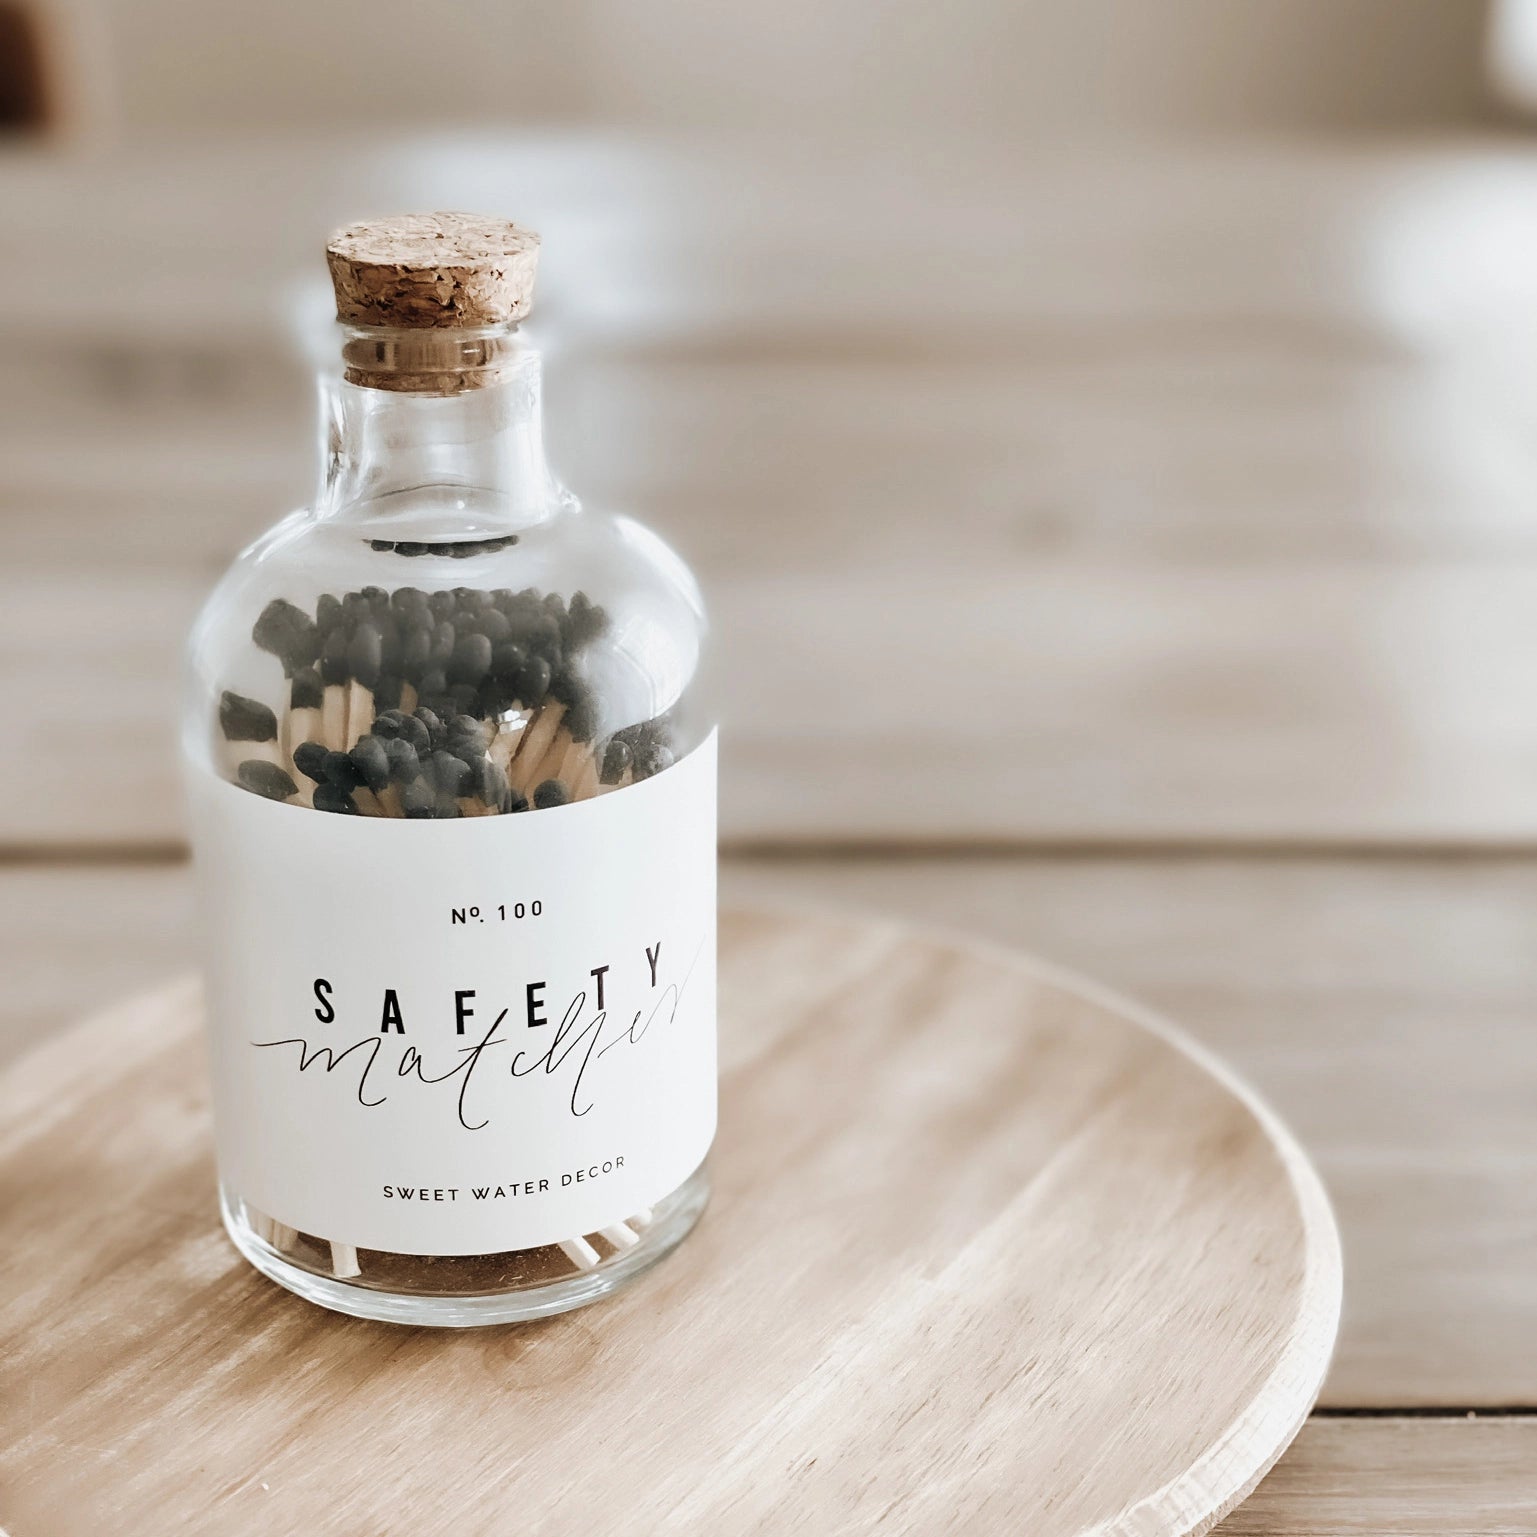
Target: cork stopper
[[433, 271]]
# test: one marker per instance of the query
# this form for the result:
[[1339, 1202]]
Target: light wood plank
[[1163, 449], [1399, 1478], [1314, 704], [1077, 1219], [1146, 446], [77, 939], [1383, 1007], [667, 237], [1327, 704], [1213, 529]]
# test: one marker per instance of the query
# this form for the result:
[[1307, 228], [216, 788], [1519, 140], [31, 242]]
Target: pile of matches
[[450, 704]]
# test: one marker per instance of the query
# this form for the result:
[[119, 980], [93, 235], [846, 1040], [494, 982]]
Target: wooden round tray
[[989, 1251]]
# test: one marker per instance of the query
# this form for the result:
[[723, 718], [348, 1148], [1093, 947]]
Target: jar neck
[[435, 432]]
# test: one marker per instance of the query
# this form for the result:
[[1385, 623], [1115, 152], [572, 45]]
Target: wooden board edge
[[1228, 1472], [1217, 1483]]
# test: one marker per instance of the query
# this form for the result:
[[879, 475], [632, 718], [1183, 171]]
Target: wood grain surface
[[1178, 501], [1196, 513], [1463, 1475], [1123, 1274], [1382, 1006], [1248, 728]]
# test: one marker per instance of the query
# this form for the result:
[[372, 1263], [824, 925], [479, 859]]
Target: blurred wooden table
[[1132, 558]]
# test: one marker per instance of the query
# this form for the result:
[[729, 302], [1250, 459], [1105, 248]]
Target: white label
[[461, 1037]]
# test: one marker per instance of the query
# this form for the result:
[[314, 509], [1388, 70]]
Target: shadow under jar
[[453, 802]]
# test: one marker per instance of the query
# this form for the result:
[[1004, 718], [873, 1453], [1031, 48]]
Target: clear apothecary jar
[[452, 786]]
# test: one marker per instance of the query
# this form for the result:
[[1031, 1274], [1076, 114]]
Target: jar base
[[674, 1220]]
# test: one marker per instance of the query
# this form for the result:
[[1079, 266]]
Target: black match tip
[[429, 719], [581, 717], [405, 765], [551, 793], [470, 660], [329, 797], [467, 732], [616, 760], [371, 761], [365, 653], [288, 633], [451, 775], [415, 648], [651, 742], [493, 784], [246, 720], [418, 799], [494, 625], [341, 771], [415, 732], [508, 659], [307, 692], [333, 656], [533, 681], [585, 621], [310, 760], [266, 779]]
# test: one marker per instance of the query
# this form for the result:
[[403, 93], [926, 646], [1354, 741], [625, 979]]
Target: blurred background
[[1107, 432], [864, 72]]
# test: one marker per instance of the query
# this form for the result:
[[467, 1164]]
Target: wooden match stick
[[549, 767], [302, 721], [333, 717], [509, 734], [358, 702], [585, 784], [573, 765], [334, 677], [535, 745], [365, 652], [269, 1230], [580, 1253]]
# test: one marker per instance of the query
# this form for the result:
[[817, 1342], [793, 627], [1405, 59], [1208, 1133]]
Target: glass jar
[[452, 788]]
